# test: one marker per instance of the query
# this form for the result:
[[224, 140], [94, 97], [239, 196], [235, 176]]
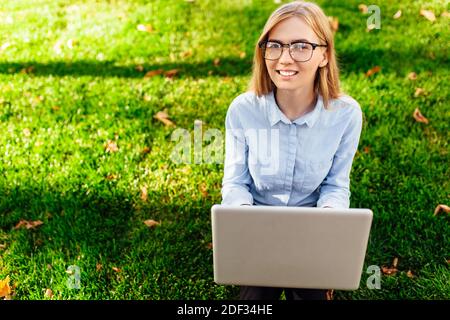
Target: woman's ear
[[324, 61]]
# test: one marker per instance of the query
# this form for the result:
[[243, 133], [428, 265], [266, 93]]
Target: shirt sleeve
[[236, 180], [335, 189]]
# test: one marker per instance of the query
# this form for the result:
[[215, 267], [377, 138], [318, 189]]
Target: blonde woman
[[291, 139]]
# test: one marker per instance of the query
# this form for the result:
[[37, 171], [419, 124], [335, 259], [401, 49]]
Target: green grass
[[56, 119]]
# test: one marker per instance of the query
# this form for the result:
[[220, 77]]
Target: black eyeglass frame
[[262, 44]]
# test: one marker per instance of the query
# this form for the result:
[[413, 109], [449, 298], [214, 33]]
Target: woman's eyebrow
[[292, 41]]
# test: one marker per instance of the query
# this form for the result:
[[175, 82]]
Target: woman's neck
[[295, 103]]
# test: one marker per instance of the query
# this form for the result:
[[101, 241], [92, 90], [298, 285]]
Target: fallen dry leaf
[[209, 245], [186, 54], [139, 68], [111, 146], [419, 92], [366, 149], [419, 117], [388, 271], [428, 14], [144, 28], [98, 267], [48, 293], [203, 189], [412, 76], [27, 70], [111, 177], [409, 274], [441, 207], [116, 269], [330, 294], [144, 194], [398, 14], [164, 118], [363, 8], [373, 71], [216, 62], [153, 73], [171, 73], [28, 224], [334, 23], [395, 262], [146, 150], [5, 289], [151, 223]]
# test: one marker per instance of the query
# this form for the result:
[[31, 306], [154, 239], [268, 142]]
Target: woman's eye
[[272, 45]]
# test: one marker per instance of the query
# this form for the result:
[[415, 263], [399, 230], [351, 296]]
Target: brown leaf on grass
[[216, 62], [146, 150], [209, 246], [153, 73], [412, 76], [151, 223], [117, 269], [366, 149], [419, 92], [441, 207], [48, 293], [28, 224], [145, 27], [171, 73], [409, 274], [186, 54], [334, 23], [372, 71], [2, 246], [5, 289], [98, 267], [398, 14], [164, 118], [144, 194], [139, 68], [419, 117], [111, 146], [111, 177], [27, 70], [363, 8], [330, 294], [203, 189], [428, 14], [395, 262], [388, 271]]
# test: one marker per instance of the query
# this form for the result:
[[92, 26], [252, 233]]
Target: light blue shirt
[[271, 160]]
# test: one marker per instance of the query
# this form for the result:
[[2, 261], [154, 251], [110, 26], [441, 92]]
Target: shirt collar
[[276, 115]]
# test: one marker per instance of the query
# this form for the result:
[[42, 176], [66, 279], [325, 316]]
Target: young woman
[[291, 139]]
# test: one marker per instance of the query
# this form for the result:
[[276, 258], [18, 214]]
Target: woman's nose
[[286, 56]]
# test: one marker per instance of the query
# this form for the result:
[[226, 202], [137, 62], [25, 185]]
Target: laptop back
[[290, 247]]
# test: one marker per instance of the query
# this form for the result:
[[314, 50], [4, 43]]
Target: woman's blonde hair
[[326, 82]]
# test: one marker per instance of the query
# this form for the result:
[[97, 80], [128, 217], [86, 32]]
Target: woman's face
[[294, 28]]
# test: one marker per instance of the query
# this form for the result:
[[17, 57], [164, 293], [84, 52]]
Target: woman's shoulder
[[345, 101], [247, 101]]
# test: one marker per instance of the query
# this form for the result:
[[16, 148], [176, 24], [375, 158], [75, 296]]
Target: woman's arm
[[236, 180], [335, 189]]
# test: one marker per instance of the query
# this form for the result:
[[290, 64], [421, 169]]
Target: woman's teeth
[[287, 73]]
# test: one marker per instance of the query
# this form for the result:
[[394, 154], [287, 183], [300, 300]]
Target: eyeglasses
[[300, 51]]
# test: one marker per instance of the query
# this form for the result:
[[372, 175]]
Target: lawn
[[82, 152]]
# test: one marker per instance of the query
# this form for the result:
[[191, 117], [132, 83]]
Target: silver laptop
[[289, 247]]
